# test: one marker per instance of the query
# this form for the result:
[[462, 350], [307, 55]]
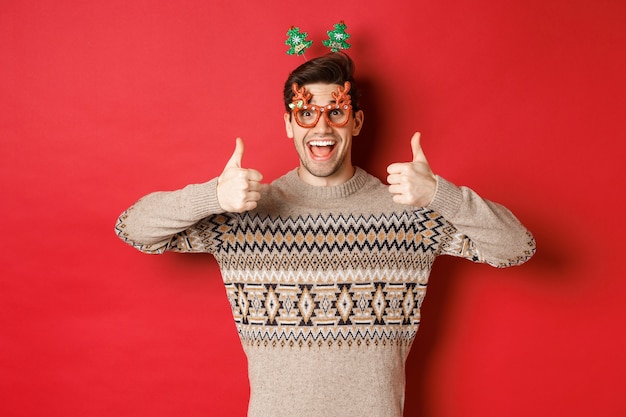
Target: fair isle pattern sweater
[[326, 283]]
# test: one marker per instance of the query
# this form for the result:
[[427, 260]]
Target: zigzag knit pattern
[[325, 280]]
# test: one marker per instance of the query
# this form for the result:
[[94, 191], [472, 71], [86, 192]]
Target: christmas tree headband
[[298, 43]]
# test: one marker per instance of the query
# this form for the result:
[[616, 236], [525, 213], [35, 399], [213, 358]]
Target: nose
[[322, 125]]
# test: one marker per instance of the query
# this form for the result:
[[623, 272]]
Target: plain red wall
[[102, 102]]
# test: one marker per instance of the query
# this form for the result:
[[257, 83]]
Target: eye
[[307, 116]]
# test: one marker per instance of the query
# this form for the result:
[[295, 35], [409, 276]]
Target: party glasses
[[307, 115]]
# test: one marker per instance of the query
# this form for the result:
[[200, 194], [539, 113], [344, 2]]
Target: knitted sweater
[[326, 283]]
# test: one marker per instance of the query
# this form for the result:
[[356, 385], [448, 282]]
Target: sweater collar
[[302, 189]]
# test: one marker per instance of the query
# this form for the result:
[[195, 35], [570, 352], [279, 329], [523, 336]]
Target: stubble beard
[[323, 171]]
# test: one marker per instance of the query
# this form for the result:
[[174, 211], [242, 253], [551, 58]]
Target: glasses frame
[[300, 101]]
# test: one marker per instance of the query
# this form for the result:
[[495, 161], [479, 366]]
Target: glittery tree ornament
[[337, 38], [297, 41]]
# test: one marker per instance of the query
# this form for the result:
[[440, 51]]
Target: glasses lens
[[338, 116], [307, 117]]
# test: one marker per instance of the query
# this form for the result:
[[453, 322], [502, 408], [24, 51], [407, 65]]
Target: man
[[326, 268]]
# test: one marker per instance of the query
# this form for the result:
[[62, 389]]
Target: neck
[[305, 191], [337, 178]]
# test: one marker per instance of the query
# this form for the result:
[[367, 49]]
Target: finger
[[252, 196], [235, 159], [391, 169], [396, 189], [253, 175], [394, 179], [397, 168], [255, 186], [258, 189], [416, 148]]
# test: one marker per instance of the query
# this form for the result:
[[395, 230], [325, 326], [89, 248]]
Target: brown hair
[[332, 68]]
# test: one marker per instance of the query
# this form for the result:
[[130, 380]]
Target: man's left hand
[[412, 183]]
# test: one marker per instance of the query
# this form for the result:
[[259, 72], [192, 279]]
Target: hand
[[238, 189], [412, 183]]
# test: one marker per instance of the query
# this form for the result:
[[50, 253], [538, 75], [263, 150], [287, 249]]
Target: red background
[[103, 102]]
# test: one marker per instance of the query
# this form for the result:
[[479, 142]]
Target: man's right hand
[[238, 189]]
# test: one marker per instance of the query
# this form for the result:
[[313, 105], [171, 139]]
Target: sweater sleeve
[[494, 235], [166, 220]]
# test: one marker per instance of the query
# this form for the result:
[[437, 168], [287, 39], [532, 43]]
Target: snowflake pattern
[[296, 41], [337, 38]]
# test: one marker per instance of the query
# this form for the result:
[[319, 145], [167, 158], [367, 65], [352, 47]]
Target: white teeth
[[321, 143]]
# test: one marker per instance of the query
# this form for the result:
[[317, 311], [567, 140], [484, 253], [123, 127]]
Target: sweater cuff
[[203, 199], [448, 198]]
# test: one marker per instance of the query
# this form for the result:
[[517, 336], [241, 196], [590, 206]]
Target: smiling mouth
[[321, 149]]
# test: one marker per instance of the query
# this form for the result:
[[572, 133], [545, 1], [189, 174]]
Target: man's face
[[324, 150]]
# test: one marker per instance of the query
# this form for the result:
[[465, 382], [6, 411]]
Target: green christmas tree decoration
[[337, 38], [297, 41]]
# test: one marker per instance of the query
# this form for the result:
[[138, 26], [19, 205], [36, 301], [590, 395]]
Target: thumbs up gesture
[[412, 183], [238, 189]]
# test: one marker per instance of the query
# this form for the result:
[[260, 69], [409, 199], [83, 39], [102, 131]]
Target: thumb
[[235, 159], [416, 147]]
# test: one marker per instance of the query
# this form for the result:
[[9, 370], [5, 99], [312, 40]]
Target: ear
[[358, 122], [288, 127]]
